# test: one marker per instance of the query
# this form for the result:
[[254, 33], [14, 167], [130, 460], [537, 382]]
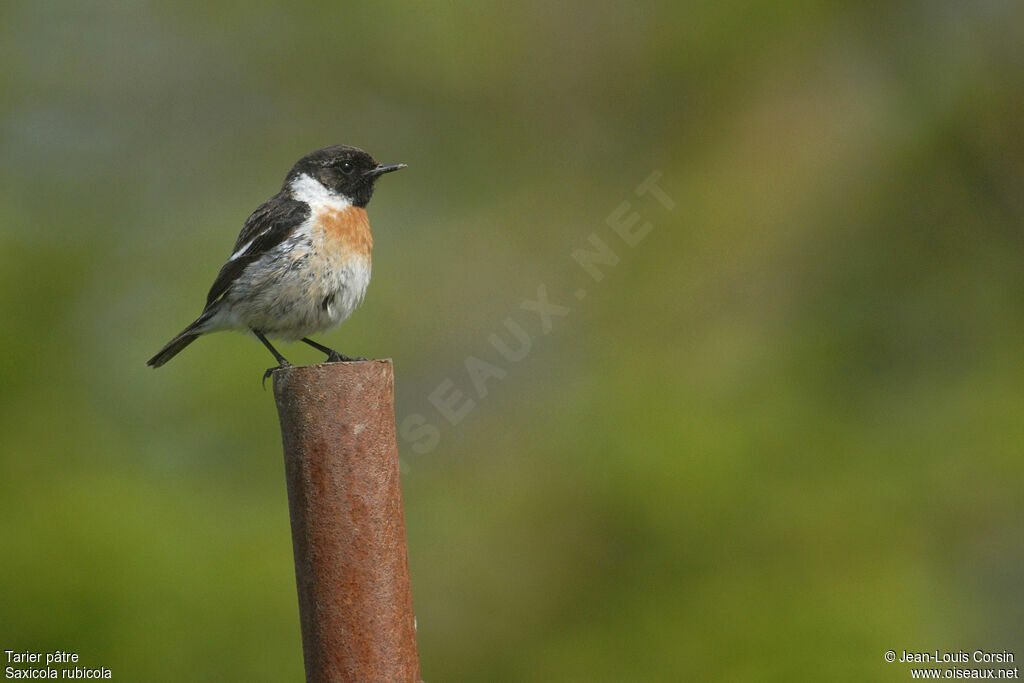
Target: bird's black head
[[347, 171]]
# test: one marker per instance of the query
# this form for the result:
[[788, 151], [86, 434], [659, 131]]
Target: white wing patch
[[244, 249]]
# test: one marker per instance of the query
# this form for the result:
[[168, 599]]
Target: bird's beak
[[381, 169]]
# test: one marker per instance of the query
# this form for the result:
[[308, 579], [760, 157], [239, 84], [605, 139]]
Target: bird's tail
[[173, 347]]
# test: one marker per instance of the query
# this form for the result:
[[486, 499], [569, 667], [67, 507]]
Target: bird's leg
[[332, 355], [282, 361]]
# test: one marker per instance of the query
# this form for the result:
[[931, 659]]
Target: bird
[[301, 263]]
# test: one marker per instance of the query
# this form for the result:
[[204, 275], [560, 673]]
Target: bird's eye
[[347, 167]]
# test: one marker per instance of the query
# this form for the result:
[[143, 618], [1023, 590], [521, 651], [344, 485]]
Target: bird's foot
[[335, 357], [332, 355], [270, 371]]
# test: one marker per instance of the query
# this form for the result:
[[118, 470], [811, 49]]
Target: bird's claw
[[270, 371], [335, 357]]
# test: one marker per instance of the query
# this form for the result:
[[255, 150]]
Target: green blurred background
[[781, 436]]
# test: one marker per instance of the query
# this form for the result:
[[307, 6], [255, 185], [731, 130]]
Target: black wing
[[267, 227]]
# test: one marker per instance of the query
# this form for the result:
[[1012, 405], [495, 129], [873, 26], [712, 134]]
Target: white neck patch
[[307, 189]]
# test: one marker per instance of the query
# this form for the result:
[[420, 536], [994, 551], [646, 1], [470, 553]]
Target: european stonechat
[[301, 264]]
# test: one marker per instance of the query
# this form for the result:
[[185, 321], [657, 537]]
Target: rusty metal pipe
[[348, 527]]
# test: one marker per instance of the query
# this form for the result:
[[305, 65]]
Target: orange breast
[[348, 228]]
